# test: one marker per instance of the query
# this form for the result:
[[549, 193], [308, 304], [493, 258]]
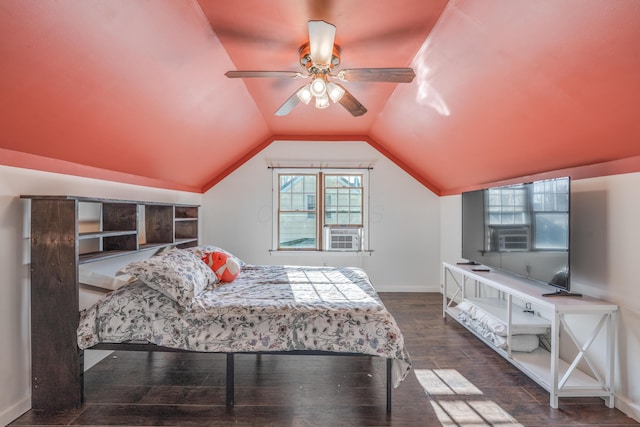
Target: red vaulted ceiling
[[134, 90]]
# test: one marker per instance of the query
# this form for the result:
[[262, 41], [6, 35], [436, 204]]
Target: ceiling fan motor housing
[[307, 63]]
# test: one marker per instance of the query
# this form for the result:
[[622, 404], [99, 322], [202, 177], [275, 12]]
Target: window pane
[[343, 199], [284, 180], [297, 184], [507, 206], [507, 219], [285, 201], [552, 230], [309, 184], [311, 202], [297, 230], [562, 202], [538, 202], [298, 202], [330, 198], [297, 216], [331, 181]]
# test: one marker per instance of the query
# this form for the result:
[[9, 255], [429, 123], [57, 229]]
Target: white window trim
[[275, 189]]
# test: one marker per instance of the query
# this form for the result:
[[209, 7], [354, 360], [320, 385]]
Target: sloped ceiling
[[134, 90]]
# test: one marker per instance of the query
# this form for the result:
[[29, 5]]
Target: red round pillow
[[223, 265]]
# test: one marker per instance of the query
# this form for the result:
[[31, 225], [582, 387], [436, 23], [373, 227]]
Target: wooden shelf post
[[54, 301]]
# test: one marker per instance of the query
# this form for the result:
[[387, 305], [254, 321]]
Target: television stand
[[567, 366], [562, 293]]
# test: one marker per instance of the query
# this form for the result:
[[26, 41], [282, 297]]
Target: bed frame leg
[[389, 385], [230, 380]]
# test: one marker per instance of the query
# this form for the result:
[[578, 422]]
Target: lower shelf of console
[[537, 365]]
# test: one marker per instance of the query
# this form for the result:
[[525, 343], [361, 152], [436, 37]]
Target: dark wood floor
[[132, 388]]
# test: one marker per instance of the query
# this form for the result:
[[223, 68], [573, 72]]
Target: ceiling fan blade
[[250, 74], [321, 38], [288, 105], [394, 75], [351, 104]]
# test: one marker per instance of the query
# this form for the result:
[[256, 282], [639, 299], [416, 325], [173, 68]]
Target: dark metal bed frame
[[230, 371]]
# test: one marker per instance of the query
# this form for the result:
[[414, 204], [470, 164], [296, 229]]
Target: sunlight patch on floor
[[445, 382], [472, 413], [467, 413]]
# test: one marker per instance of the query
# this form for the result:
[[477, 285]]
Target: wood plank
[[159, 224], [186, 212], [99, 234], [186, 229], [56, 360]]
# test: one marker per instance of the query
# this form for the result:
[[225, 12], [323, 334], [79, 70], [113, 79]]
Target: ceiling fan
[[318, 58]]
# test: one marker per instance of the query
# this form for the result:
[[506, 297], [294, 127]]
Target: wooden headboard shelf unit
[[55, 257]]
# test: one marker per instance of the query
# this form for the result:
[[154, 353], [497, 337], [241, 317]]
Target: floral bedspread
[[267, 308]]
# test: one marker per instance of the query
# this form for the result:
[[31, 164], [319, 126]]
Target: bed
[[172, 303]]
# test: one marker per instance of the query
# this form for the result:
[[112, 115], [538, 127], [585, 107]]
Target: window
[[507, 208], [550, 206], [314, 208], [297, 215], [523, 217], [508, 205]]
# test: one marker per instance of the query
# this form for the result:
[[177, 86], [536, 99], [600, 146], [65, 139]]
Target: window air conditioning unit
[[511, 239], [342, 238]]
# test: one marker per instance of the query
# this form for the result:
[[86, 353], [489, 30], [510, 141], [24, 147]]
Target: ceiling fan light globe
[[304, 94], [335, 92], [318, 87], [322, 101]]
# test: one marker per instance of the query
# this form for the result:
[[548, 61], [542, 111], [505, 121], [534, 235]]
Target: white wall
[[605, 234], [412, 230], [15, 369], [404, 215], [604, 242]]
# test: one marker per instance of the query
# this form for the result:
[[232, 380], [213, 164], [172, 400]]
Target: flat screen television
[[521, 229]]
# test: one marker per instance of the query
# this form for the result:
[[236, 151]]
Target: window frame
[[320, 212]]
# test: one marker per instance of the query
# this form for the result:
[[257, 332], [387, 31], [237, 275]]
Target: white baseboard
[[630, 409], [406, 288], [14, 411]]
